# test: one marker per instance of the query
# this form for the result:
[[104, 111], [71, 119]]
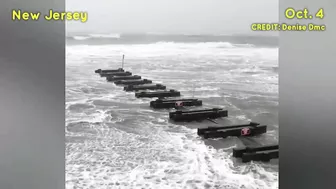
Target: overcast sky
[[172, 16]]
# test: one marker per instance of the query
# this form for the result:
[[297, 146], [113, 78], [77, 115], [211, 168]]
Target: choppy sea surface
[[114, 140]]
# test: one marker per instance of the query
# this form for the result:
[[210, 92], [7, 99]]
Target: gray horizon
[[172, 17]]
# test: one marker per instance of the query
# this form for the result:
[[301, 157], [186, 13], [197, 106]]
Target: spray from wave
[[148, 38], [94, 36]]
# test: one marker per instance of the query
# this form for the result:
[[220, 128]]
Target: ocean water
[[114, 140]]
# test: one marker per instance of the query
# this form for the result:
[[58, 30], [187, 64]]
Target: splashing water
[[116, 141]]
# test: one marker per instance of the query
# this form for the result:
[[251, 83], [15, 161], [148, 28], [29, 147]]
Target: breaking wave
[[94, 36], [112, 38]]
